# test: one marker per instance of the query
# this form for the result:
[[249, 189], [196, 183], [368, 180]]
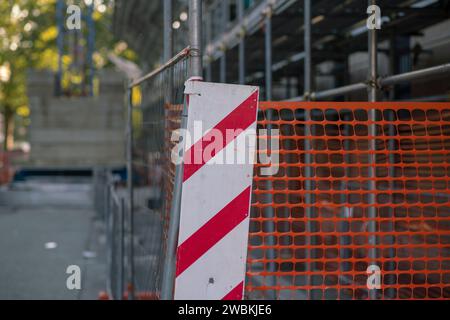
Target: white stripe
[[211, 188], [224, 98], [218, 271]]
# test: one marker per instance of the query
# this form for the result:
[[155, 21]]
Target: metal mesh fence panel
[[116, 239], [155, 122], [358, 185]]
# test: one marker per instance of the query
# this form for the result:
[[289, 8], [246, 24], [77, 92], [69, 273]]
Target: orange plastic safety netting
[[360, 187]]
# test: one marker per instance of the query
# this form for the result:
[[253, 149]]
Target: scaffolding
[[343, 160], [331, 31]]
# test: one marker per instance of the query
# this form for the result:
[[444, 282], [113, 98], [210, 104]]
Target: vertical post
[[373, 63], [307, 45], [130, 188], [122, 248], [268, 53], [195, 38], [240, 10], [168, 31], [195, 73], [223, 66], [372, 90], [168, 46], [309, 199], [270, 214], [60, 44], [392, 61], [208, 23], [109, 241], [223, 59]]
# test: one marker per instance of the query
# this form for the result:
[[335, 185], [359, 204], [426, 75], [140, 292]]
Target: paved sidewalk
[[36, 214]]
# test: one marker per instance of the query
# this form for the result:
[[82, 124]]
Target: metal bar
[[109, 237], [224, 22], [250, 23], [307, 44], [223, 67], [443, 69], [240, 10], [168, 31], [338, 91], [168, 45], [372, 95], [271, 281], [122, 248], [130, 187], [268, 54], [167, 288], [208, 31], [382, 82], [309, 198], [177, 58], [195, 72], [195, 38]]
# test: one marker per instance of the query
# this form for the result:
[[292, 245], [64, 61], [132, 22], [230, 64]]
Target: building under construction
[[360, 186], [276, 44]]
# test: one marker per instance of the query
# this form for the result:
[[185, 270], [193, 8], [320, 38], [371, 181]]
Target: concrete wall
[[76, 132]]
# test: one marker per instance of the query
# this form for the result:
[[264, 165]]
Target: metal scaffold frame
[[255, 18]]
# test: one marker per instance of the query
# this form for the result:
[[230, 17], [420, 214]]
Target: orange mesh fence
[[358, 185]]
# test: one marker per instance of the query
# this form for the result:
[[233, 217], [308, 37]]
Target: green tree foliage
[[28, 34]]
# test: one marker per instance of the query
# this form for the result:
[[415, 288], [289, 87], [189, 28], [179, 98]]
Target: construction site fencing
[[110, 204], [360, 189], [156, 117]]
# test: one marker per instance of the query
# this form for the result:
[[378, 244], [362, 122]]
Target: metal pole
[[223, 67], [268, 54], [122, 248], [309, 199], [443, 69], [130, 187], [208, 41], [167, 288], [372, 90], [435, 71], [108, 235], [271, 281], [241, 9], [168, 48], [223, 59], [307, 44], [195, 36], [168, 31], [373, 63]]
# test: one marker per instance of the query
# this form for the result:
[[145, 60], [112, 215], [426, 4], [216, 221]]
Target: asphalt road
[[46, 226]]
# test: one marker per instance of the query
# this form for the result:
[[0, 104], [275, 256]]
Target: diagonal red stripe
[[240, 118], [213, 231], [235, 294]]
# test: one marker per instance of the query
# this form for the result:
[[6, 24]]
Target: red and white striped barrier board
[[215, 203]]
